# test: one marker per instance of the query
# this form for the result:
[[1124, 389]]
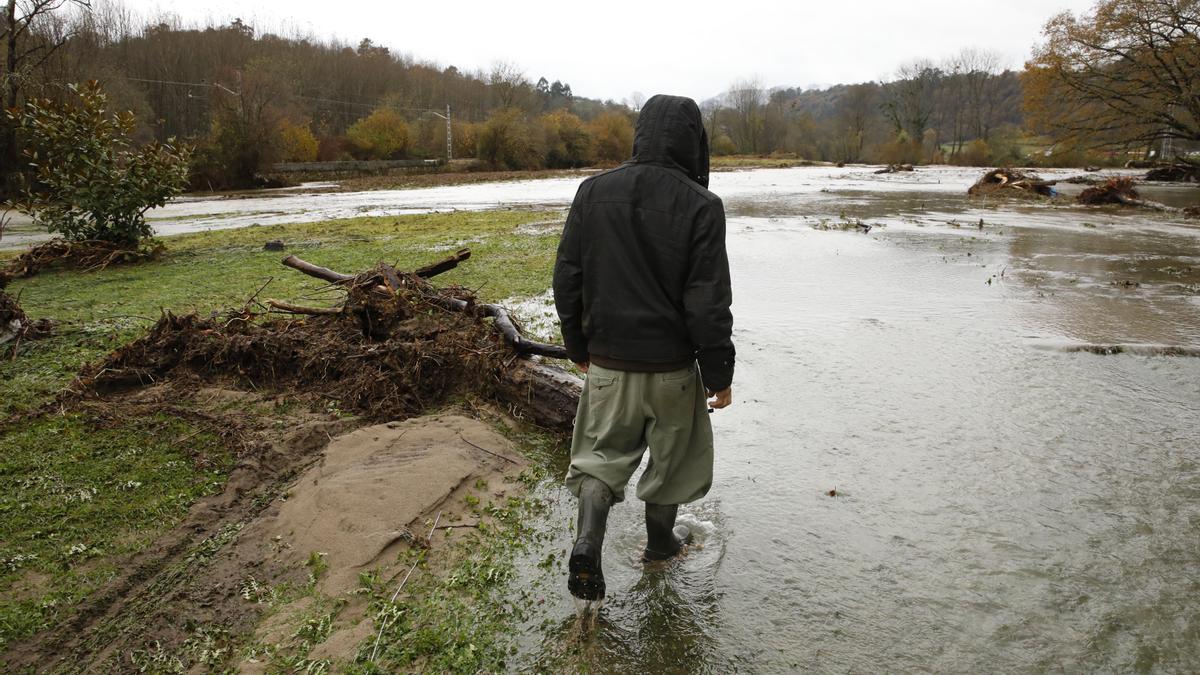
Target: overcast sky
[[611, 48]]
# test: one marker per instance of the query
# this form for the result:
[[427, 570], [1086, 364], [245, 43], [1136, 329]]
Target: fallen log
[[895, 168], [289, 308], [501, 318], [316, 271], [446, 265]]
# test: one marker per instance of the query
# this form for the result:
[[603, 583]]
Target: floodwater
[[1004, 397], [1007, 499]]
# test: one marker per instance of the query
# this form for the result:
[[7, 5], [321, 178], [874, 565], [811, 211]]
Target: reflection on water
[[1008, 500]]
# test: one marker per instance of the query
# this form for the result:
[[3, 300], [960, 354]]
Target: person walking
[[642, 290]]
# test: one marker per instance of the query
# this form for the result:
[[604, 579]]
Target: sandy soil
[[309, 483]]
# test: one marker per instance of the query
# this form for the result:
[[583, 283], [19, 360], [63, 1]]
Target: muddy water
[[1007, 500]]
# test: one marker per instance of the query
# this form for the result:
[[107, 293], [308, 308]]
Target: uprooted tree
[[89, 182], [1123, 75], [395, 347]]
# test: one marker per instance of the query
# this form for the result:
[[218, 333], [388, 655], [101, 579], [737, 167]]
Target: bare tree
[[636, 100], [746, 99], [24, 51], [979, 68], [909, 103], [855, 112], [510, 86]]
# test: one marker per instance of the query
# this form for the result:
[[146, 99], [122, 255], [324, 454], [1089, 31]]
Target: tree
[[508, 141], [1125, 73], [568, 143], [909, 102], [854, 120], [25, 50], [296, 142], [613, 135], [746, 99], [89, 182], [381, 135]]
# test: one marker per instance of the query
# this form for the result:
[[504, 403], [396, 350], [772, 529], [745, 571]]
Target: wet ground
[[1003, 395]]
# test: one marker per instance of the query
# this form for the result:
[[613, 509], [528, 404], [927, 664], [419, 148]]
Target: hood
[[670, 131]]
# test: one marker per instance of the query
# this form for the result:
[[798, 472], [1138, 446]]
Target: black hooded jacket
[[642, 273]]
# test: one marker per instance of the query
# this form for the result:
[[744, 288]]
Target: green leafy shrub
[[89, 182]]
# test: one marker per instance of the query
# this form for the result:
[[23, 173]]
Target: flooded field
[[967, 440], [1008, 499]]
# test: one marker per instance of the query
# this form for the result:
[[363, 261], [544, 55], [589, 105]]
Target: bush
[[901, 150], [466, 139], [296, 142], [977, 153], [381, 135], [89, 182], [568, 143], [612, 133], [723, 145], [508, 141]]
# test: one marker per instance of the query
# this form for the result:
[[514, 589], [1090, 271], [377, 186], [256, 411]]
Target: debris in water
[[1013, 182]]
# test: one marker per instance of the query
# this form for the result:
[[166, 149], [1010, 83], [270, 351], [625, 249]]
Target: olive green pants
[[621, 413]]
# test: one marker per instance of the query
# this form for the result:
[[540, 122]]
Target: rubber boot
[[586, 578], [664, 539]]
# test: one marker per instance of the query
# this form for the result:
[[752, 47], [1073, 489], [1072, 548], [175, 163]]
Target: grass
[[756, 162], [77, 491], [459, 620], [213, 271]]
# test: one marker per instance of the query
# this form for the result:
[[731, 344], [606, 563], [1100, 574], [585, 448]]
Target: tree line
[[247, 98], [1115, 82]]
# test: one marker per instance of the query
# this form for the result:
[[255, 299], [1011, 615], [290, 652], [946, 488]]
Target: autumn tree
[[613, 136], [381, 135], [568, 143], [1125, 73]]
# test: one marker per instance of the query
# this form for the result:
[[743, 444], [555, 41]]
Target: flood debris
[[395, 347], [1122, 191], [1179, 171], [87, 255], [16, 327], [895, 168], [1012, 182]]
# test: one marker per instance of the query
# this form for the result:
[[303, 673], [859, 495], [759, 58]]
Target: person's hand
[[583, 366], [720, 399]]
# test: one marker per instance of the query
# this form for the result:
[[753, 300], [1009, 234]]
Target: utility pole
[[449, 137]]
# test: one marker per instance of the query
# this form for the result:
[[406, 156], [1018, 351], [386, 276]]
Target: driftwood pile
[[396, 347], [88, 256], [1177, 172], [895, 168], [16, 327], [1122, 191], [1012, 182]]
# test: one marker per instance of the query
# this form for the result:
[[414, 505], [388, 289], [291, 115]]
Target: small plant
[[89, 182], [316, 566]]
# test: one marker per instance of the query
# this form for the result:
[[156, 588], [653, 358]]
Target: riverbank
[[161, 528]]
